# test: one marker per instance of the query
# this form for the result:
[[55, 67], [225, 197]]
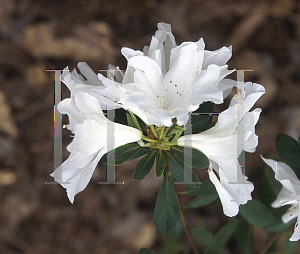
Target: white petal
[[222, 150], [296, 235], [148, 76], [230, 207], [283, 198], [219, 57], [291, 213], [78, 182], [285, 175], [89, 74], [128, 53], [205, 87]]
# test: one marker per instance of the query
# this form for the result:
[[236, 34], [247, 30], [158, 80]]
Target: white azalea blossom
[[169, 81], [289, 194], [219, 144], [89, 126], [88, 82]]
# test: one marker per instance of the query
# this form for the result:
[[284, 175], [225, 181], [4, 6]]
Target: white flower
[[169, 81], [289, 194], [89, 125], [220, 145], [88, 82]]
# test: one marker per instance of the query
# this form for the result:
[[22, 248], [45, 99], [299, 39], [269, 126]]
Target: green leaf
[[166, 212], [265, 190], [199, 159], [177, 229], [222, 237], [289, 151], [141, 152], [256, 213], [203, 120], [290, 246], [143, 167], [205, 107], [203, 237], [120, 116], [177, 169], [123, 153], [244, 237], [199, 122], [146, 251], [160, 163], [201, 201]]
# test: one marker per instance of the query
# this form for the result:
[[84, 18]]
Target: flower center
[[161, 137]]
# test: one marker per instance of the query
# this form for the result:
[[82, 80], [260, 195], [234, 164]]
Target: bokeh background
[[39, 35]]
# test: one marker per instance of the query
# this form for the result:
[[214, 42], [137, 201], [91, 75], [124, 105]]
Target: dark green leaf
[[123, 153], [199, 122], [185, 176], [265, 190], [141, 152], [177, 229], [244, 237], [205, 107], [166, 213], [160, 163], [256, 213], [198, 159], [146, 251], [289, 151], [206, 194], [143, 167], [203, 237], [290, 246], [120, 116], [222, 237]]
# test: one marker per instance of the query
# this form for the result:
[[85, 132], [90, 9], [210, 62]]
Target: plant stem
[[187, 232], [270, 242]]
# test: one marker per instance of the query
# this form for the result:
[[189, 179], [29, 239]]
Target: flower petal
[[230, 207], [285, 175]]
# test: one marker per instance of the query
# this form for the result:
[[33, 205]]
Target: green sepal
[[166, 212], [289, 151], [159, 164], [123, 153], [129, 120], [203, 237], [143, 167], [199, 159], [257, 214], [177, 169], [206, 194], [222, 237]]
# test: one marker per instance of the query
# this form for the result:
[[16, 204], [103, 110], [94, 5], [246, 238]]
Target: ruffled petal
[[285, 175], [230, 207]]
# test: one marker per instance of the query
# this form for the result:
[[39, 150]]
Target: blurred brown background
[[39, 35]]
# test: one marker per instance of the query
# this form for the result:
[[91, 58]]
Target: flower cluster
[[161, 87]]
